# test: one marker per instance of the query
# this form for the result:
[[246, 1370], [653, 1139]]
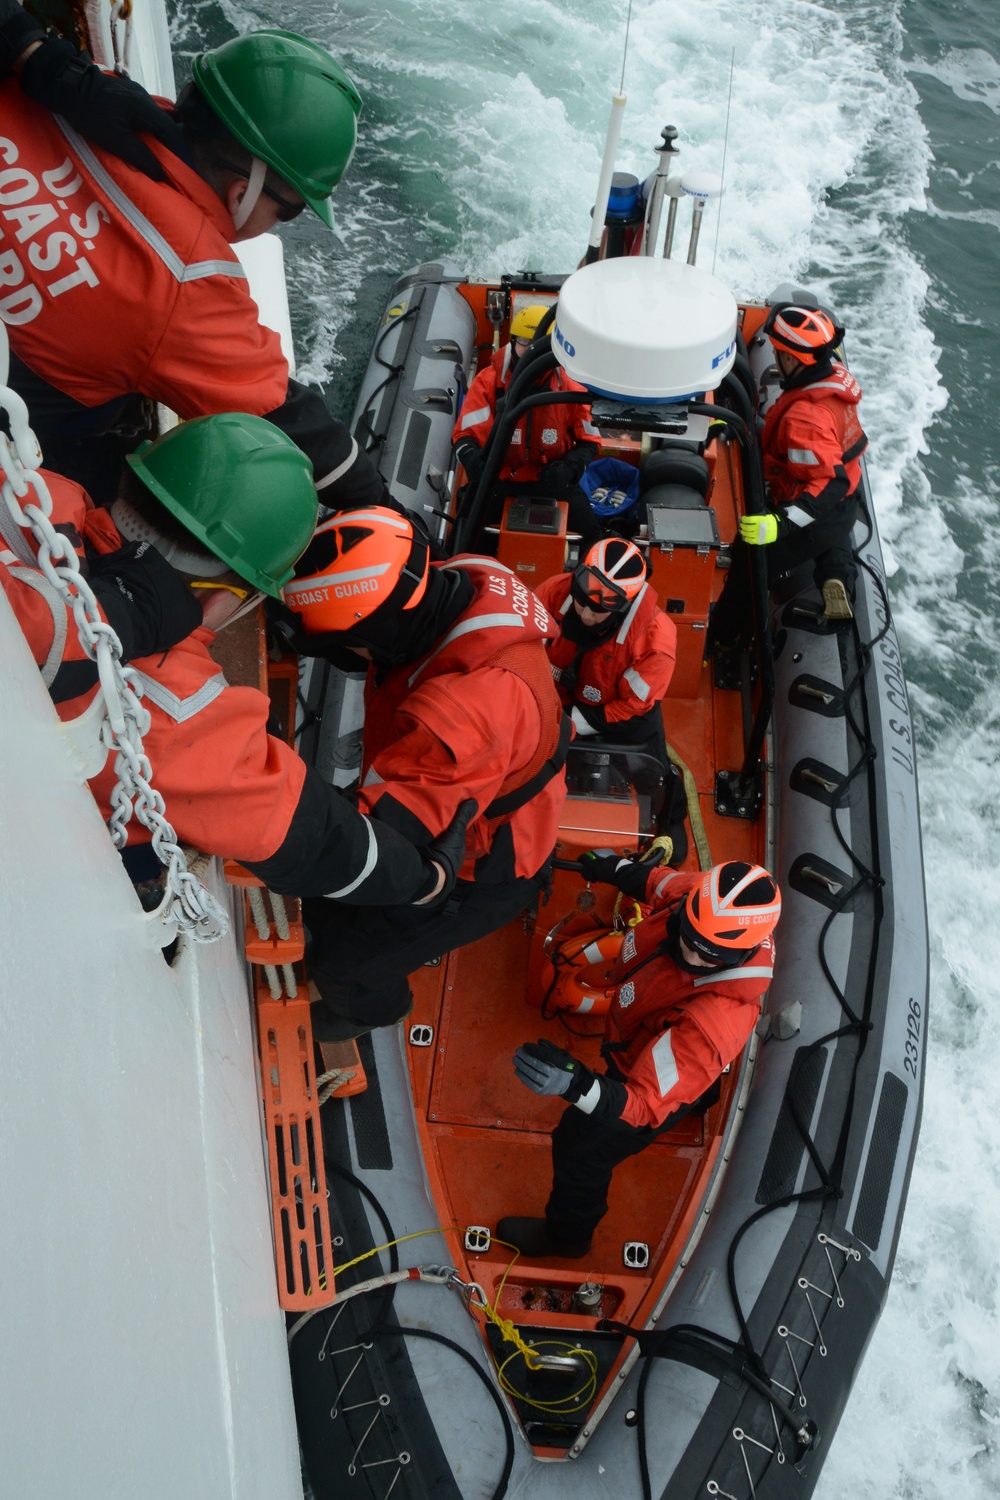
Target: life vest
[[542, 435], [578, 977], [626, 675], [527, 663], [788, 469], [650, 992], [503, 632]]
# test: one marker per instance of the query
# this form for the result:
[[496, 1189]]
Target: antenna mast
[[618, 102]]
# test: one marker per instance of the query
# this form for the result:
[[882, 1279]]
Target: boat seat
[[674, 468], [673, 477], [674, 496]]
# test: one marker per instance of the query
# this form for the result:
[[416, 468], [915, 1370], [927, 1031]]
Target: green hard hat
[[241, 487], [289, 104]]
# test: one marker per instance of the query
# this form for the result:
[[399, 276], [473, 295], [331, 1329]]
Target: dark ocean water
[[863, 158]]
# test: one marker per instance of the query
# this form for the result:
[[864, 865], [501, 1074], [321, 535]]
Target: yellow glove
[[758, 531]]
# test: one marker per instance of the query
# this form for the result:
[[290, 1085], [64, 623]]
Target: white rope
[[329, 1083]]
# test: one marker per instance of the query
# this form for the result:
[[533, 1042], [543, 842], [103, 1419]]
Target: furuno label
[[564, 343]]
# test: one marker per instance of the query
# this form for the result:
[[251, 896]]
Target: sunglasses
[[286, 211], [230, 588], [592, 590]]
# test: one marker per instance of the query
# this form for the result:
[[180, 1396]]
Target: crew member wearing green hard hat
[[229, 501], [120, 287]]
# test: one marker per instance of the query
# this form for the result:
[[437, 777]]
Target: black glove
[[111, 111], [146, 603], [629, 875], [17, 31], [473, 460], [448, 850], [557, 477], [547, 1069]]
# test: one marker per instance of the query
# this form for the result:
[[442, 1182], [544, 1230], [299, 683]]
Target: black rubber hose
[[386, 1332]]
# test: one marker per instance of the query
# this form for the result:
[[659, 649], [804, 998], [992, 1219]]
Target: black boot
[[532, 1238]]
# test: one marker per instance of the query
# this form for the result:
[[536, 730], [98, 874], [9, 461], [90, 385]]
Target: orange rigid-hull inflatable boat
[[707, 1343]]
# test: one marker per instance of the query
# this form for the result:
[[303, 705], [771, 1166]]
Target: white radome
[[641, 329]]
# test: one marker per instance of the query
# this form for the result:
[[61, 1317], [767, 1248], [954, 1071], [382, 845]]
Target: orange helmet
[[807, 333], [359, 563], [610, 576], [734, 907]]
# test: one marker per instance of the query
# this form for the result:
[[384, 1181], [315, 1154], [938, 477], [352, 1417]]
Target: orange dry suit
[[622, 678], [811, 444], [671, 1033], [477, 716], [230, 787], [542, 435], [111, 284]]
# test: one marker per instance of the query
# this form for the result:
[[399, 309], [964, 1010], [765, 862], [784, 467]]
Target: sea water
[[861, 149]]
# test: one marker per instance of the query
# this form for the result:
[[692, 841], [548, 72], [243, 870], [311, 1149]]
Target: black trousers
[[585, 1153], [826, 543], [359, 957]]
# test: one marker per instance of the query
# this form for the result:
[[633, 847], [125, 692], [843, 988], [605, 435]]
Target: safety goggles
[[286, 211], [592, 589]]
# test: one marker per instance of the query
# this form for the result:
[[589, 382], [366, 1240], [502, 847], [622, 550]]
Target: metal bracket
[[737, 799], [421, 1036], [478, 1239], [635, 1255]]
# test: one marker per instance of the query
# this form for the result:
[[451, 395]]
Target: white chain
[[186, 902]]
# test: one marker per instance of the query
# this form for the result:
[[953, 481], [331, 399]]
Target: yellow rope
[[532, 1358], [662, 841], [694, 811], [378, 1248]]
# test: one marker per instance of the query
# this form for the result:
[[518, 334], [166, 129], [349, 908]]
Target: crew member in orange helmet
[[812, 444], [612, 661], [459, 703], [689, 982], [551, 445]]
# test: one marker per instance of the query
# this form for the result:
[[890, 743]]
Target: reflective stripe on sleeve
[[635, 682], [57, 609], [370, 864], [802, 456], [797, 516], [181, 709], [588, 1101], [340, 470], [667, 1076], [473, 418]]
